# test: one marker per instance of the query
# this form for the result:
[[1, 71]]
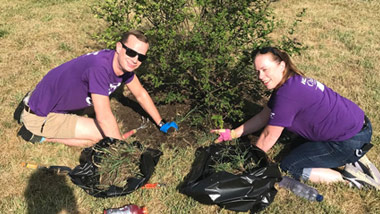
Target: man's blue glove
[[166, 126]]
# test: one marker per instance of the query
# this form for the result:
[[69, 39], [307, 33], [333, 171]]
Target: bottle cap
[[319, 198], [144, 210]]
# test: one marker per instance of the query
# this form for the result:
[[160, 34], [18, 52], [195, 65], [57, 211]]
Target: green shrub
[[199, 50]]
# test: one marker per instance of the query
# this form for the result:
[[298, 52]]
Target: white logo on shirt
[[89, 101], [272, 115], [113, 87], [313, 83], [93, 53]]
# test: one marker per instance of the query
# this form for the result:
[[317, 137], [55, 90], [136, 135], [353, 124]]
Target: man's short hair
[[138, 34]]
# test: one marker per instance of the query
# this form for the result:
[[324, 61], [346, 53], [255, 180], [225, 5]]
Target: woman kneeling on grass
[[337, 131]]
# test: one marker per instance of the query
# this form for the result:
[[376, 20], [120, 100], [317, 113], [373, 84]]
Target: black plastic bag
[[87, 177], [251, 190]]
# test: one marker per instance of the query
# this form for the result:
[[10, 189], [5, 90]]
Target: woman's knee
[[286, 164], [292, 169]]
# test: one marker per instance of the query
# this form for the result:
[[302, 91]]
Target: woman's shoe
[[358, 178]]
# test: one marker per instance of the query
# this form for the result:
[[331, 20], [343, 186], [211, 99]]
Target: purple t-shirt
[[314, 111], [69, 86]]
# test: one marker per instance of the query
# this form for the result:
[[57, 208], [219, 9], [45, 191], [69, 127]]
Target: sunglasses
[[132, 53]]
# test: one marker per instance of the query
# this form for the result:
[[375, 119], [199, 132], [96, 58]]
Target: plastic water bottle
[[127, 209], [300, 189]]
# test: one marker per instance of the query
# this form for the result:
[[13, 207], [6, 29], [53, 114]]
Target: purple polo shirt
[[69, 86], [314, 111]]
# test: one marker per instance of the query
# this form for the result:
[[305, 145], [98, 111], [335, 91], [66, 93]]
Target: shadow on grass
[[48, 193]]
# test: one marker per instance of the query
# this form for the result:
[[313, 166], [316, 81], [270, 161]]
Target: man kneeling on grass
[[87, 81]]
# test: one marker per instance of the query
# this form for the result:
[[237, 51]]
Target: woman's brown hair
[[279, 56]]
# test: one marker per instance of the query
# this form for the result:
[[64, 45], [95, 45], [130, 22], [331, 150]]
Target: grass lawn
[[36, 35]]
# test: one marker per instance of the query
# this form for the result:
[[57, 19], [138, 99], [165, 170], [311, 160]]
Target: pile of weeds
[[235, 159], [119, 162]]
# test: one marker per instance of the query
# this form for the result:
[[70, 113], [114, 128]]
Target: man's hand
[[224, 135], [166, 126]]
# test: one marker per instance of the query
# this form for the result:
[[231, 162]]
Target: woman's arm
[[254, 124], [269, 137]]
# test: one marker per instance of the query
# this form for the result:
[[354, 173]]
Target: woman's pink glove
[[224, 134]]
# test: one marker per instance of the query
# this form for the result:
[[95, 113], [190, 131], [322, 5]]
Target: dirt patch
[[129, 114]]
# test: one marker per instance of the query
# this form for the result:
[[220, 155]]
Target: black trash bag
[[251, 190], [87, 177]]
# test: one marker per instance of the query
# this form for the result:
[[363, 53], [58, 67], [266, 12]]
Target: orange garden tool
[[152, 185], [133, 131]]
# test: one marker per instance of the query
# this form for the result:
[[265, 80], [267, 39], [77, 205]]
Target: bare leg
[[86, 134], [86, 128], [324, 175], [72, 142]]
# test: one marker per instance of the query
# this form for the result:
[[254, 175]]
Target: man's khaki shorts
[[55, 125]]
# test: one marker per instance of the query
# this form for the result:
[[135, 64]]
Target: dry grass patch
[[37, 35]]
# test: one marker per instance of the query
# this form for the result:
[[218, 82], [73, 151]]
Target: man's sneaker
[[358, 178], [371, 168], [29, 136]]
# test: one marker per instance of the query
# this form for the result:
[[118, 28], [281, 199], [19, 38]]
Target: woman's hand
[[224, 134]]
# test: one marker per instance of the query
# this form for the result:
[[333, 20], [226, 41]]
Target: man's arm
[[104, 116], [269, 137], [144, 99]]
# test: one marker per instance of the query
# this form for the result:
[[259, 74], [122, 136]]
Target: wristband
[[161, 123]]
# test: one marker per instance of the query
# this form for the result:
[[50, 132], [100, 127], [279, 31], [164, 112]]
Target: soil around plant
[[130, 113]]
